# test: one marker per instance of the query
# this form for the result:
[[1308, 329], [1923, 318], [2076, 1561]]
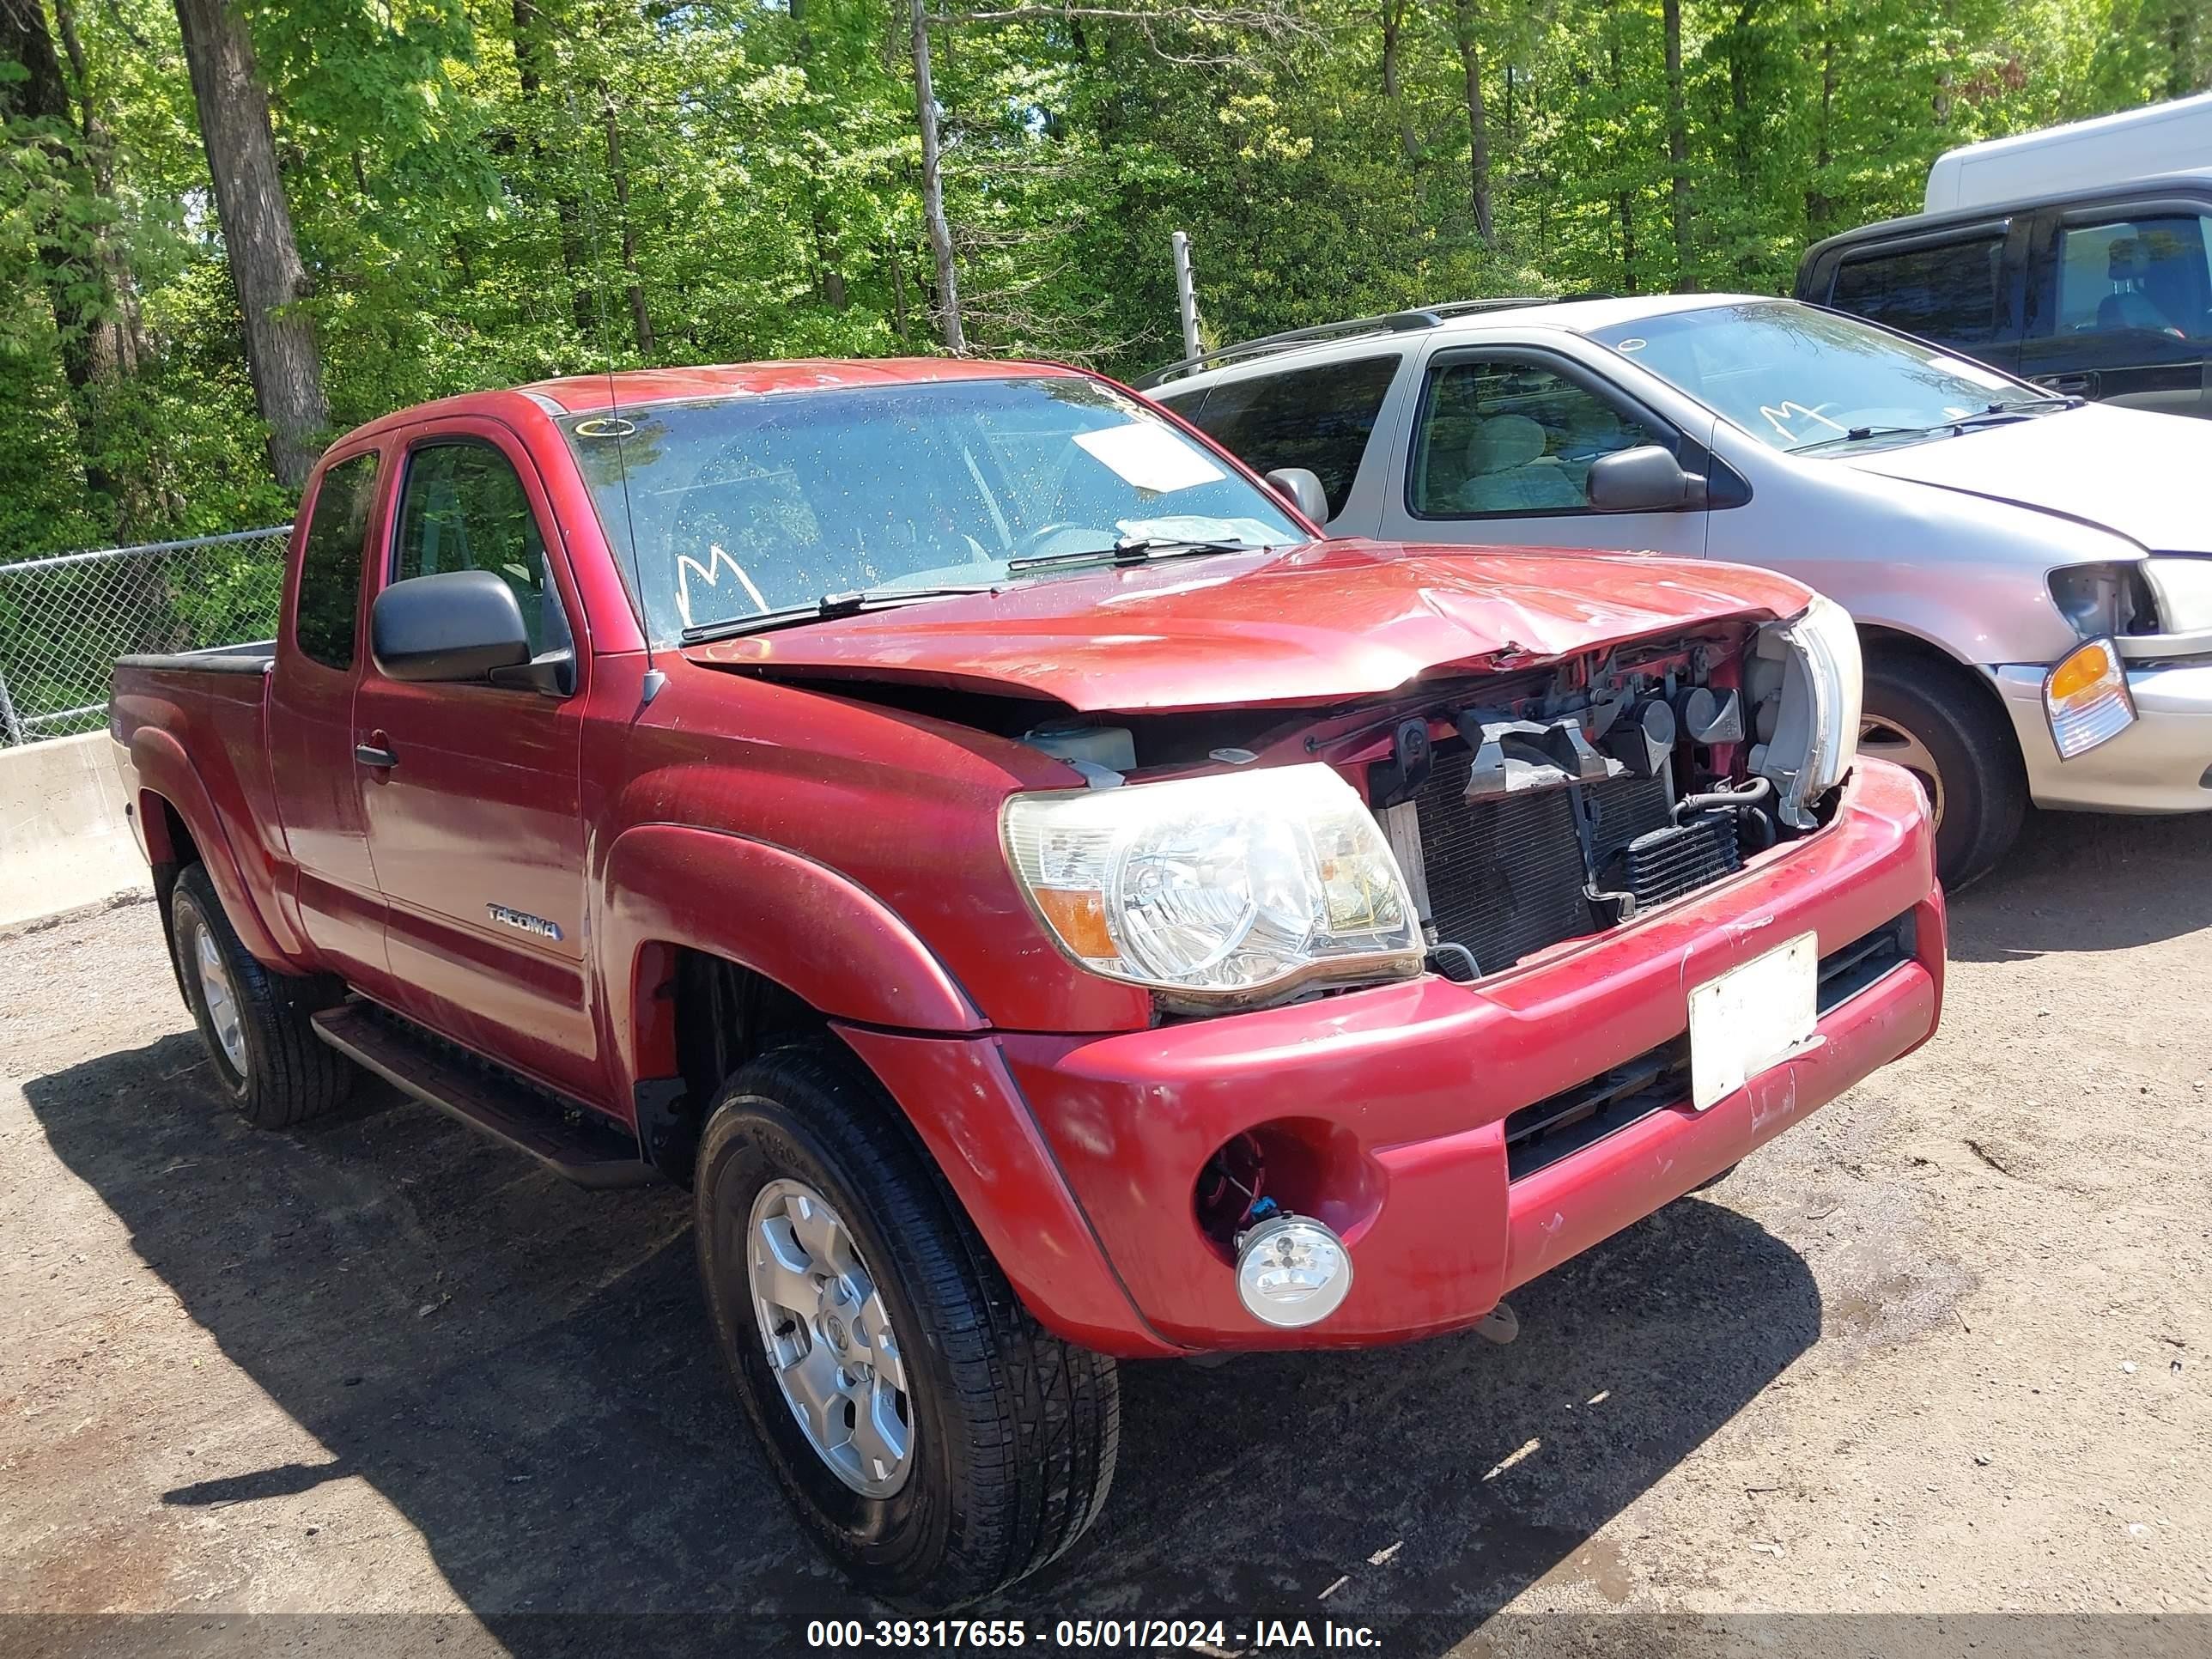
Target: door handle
[[370, 754], [2082, 384]]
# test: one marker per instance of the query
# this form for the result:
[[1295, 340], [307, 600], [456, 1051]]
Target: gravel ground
[[1945, 1350]]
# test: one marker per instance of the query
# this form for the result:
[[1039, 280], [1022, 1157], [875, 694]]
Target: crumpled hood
[[2128, 471], [1316, 624]]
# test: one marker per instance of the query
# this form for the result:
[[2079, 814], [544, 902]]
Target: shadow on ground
[[2087, 881], [523, 1370]]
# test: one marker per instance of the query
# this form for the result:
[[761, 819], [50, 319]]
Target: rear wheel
[[936, 1441], [258, 1025], [1925, 714]]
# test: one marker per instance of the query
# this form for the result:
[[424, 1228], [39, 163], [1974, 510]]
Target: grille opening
[[1508, 876], [1563, 1124]]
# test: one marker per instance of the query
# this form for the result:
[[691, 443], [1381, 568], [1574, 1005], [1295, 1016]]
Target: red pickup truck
[[1049, 906]]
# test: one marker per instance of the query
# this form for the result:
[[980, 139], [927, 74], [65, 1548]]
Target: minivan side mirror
[[1646, 479], [1301, 487], [454, 625]]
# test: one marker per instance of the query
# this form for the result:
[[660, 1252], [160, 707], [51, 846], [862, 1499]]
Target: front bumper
[[2160, 764], [1408, 1088]]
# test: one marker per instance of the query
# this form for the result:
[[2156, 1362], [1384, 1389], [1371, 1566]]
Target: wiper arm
[[2024, 409], [1130, 550], [822, 610], [1859, 434]]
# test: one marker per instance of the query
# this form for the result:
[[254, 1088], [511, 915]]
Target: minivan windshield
[[1804, 379], [757, 506]]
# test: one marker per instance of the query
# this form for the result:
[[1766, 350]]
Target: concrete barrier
[[63, 840]]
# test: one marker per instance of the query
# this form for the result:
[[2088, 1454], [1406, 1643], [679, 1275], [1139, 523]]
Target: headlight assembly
[[1218, 892], [1816, 728], [2183, 590]]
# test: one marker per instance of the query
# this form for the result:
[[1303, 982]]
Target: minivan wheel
[[257, 1026], [936, 1441], [1925, 714]]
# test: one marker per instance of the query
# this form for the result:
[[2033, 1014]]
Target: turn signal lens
[[2086, 697]]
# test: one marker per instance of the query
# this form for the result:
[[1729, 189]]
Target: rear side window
[[2149, 274], [1947, 293], [463, 509], [330, 563], [1319, 418]]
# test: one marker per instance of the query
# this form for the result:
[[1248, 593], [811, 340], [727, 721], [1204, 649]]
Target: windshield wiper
[[1859, 434], [822, 610], [1130, 550], [2024, 409]]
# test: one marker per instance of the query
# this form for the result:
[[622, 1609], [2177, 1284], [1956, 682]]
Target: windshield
[[1794, 377], [756, 504]]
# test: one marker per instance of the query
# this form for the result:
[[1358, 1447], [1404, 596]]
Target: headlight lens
[[1217, 891], [2183, 590], [1826, 686]]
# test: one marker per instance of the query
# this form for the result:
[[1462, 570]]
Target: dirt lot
[[1948, 1349]]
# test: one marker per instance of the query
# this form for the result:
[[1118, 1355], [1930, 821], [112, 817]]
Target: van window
[[2149, 275], [1505, 437], [1947, 293], [1319, 418], [465, 509], [330, 563]]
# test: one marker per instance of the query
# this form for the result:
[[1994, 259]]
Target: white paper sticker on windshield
[[1974, 372], [1150, 456]]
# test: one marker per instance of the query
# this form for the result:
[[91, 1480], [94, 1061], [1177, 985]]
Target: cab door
[[1499, 451], [470, 791]]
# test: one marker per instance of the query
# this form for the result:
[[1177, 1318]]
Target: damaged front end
[[1560, 808], [1520, 809]]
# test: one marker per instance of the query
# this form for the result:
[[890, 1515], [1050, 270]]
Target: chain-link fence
[[64, 620]]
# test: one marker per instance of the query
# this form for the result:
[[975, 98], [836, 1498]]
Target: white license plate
[[1749, 1018]]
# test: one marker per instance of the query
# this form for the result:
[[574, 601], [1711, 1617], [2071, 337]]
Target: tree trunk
[[825, 244], [641, 319], [1739, 66], [575, 263], [1393, 23], [898, 289], [1624, 199], [1465, 16], [1820, 206], [933, 187], [281, 353], [119, 347], [1678, 146]]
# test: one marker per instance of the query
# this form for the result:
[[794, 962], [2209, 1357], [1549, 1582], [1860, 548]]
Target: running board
[[572, 1141]]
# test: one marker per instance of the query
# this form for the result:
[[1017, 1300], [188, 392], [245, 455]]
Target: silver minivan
[[2032, 576]]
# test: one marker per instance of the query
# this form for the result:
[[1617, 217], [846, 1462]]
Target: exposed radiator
[[1505, 876]]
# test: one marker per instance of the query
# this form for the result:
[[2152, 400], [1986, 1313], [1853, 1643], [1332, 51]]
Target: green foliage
[[457, 172]]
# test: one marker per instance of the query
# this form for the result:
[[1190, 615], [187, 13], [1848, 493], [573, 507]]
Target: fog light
[[1292, 1270], [2087, 700]]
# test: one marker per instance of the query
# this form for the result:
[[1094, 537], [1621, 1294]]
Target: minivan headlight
[[1219, 892], [2182, 588], [1817, 724]]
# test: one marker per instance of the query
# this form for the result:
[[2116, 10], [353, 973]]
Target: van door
[[2120, 304], [1502, 441], [1959, 287]]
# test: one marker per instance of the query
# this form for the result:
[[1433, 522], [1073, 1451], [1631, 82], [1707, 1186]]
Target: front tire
[[258, 1025], [935, 1440], [1925, 714]]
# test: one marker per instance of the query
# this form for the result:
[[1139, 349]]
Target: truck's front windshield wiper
[[1130, 550], [821, 609]]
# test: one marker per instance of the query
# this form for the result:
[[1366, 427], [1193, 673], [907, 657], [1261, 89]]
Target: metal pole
[[1186, 295], [9, 722]]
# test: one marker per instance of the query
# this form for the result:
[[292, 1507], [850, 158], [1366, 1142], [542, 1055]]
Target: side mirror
[[1646, 479], [1301, 487], [456, 625]]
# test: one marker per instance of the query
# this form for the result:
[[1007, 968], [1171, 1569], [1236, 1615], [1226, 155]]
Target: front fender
[[818, 934]]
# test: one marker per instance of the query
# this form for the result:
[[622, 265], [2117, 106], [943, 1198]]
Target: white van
[[2134, 144]]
